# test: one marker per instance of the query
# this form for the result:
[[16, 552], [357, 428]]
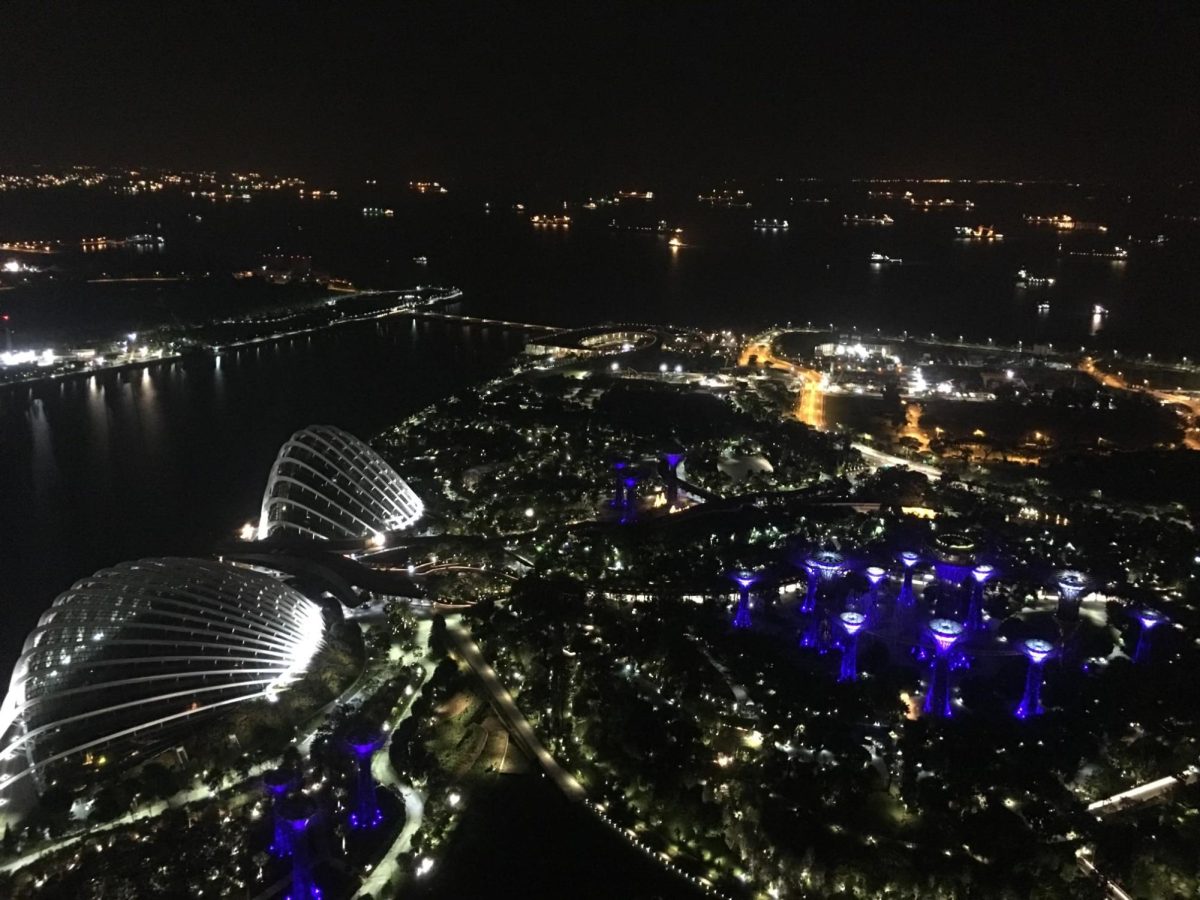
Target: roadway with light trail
[[1143, 793], [810, 404], [879, 458], [1115, 382]]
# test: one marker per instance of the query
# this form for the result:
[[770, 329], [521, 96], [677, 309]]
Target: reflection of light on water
[[45, 467]]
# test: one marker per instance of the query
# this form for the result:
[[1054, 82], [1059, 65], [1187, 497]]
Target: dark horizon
[[666, 95]]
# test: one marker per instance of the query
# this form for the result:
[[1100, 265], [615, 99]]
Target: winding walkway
[[510, 715], [384, 774]]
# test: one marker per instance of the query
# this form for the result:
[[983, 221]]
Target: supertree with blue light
[[741, 614], [908, 560], [298, 812], [945, 634], [852, 623], [827, 564], [1149, 619], [278, 783], [363, 741], [630, 509], [1071, 585], [1038, 652], [870, 600], [980, 575], [809, 603], [624, 482], [824, 567]]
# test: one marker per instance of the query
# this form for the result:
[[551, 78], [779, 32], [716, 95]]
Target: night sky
[[645, 92]]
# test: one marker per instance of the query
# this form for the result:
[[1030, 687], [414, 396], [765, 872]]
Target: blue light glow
[[366, 812], [1031, 700], [278, 783], [983, 572], [827, 564], [741, 615], [852, 623], [1071, 584], [945, 634], [1149, 618], [951, 573], [975, 618], [298, 814]]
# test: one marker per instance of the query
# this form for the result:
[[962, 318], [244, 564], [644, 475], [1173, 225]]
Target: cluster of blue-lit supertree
[[291, 814], [939, 643]]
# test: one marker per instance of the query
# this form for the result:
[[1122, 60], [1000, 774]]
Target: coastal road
[[512, 717], [810, 402], [1190, 401]]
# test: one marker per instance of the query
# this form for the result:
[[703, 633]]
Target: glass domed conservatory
[[328, 485], [124, 656]]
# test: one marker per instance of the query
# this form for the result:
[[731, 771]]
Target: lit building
[[127, 656], [328, 485]]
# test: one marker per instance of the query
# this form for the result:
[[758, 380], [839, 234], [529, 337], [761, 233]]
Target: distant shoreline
[[214, 351]]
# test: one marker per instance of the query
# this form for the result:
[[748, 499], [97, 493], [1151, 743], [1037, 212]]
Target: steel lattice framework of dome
[[329, 485], [121, 657]]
